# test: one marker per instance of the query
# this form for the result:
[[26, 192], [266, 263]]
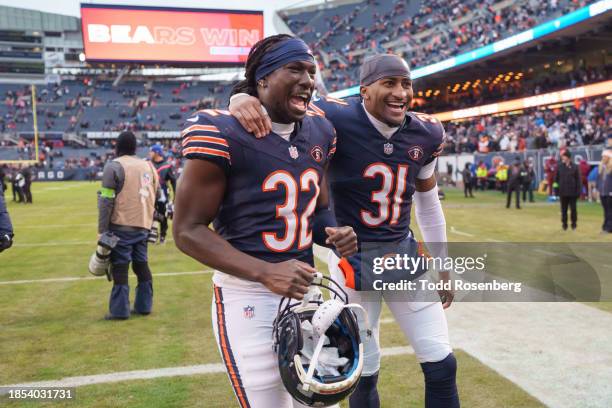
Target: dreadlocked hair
[[249, 84]]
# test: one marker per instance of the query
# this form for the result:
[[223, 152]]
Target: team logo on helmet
[[415, 153], [317, 153]]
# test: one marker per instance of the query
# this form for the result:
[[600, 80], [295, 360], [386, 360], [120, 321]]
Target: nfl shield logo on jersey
[[415, 153], [388, 148], [293, 152], [249, 312]]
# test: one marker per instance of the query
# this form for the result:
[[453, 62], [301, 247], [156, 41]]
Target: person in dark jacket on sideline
[[6, 228], [27, 187], [605, 189], [528, 176], [468, 180], [514, 183], [569, 180]]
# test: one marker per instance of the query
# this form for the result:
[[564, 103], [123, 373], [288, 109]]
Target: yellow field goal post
[[35, 125]]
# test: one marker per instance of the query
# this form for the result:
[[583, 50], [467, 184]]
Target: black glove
[[6, 241]]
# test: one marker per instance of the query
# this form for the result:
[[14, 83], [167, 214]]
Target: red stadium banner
[[600, 88], [147, 34]]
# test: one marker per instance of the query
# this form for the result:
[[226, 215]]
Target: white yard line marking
[[81, 278], [61, 243], [153, 373], [64, 243], [457, 232], [93, 224], [545, 252], [122, 376], [396, 351]]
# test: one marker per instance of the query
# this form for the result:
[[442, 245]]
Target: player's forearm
[[431, 221], [206, 246], [323, 217]]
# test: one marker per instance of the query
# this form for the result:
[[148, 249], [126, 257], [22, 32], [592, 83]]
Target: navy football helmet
[[333, 326]]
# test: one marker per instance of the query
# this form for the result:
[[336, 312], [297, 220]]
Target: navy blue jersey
[[166, 178], [272, 184], [372, 178]]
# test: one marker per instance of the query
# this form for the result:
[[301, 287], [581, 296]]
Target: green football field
[[54, 329]]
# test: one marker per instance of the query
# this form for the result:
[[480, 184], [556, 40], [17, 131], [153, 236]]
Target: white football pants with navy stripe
[[242, 320], [422, 321]]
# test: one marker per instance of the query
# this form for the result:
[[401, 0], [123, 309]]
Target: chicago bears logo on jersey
[[415, 153], [317, 153]]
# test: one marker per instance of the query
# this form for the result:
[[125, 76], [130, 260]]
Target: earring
[[261, 83]]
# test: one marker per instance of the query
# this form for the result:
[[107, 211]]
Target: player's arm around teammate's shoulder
[[253, 117], [251, 114]]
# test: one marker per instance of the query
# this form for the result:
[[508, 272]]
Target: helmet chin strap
[[314, 293], [322, 319]]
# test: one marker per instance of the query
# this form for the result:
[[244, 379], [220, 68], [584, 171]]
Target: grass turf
[[54, 330]]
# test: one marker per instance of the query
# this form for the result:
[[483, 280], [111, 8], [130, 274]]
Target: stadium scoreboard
[[114, 33]]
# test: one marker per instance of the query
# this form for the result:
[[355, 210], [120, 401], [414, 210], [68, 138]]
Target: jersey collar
[[366, 115]]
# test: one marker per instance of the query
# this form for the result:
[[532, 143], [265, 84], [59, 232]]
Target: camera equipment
[[99, 263]]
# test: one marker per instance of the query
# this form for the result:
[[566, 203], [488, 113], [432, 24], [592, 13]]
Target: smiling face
[[388, 99], [287, 91]]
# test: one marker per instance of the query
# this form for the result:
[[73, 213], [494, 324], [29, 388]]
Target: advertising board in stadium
[[156, 34]]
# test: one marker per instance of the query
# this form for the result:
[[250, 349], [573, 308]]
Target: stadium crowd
[[585, 122], [437, 30]]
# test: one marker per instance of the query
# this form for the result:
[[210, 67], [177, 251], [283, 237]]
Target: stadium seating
[[76, 106], [424, 32]]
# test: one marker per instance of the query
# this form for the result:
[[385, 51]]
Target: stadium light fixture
[[542, 100]]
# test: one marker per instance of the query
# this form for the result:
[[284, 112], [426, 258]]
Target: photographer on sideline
[[6, 228], [126, 206], [167, 178]]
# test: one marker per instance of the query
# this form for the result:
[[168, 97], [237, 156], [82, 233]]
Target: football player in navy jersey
[[268, 201], [384, 161]]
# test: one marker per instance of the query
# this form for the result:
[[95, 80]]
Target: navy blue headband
[[287, 51]]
